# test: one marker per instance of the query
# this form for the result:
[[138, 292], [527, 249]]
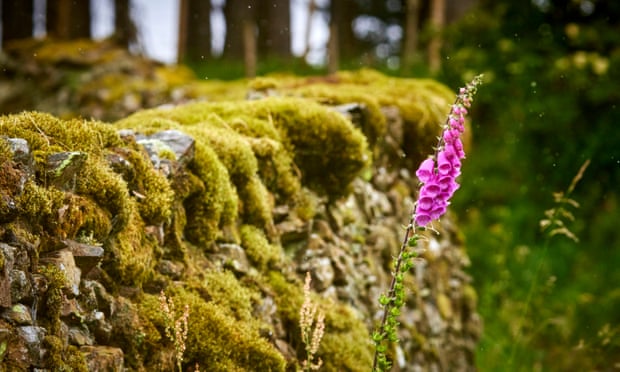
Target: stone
[[292, 231], [174, 270], [101, 329], [7, 259], [31, 338], [86, 256], [21, 152], [103, 358], [182, 145], [21, 288], [80, 336], [322, 273], [18, 314], [234, 258], [64, 261], [63, 168]]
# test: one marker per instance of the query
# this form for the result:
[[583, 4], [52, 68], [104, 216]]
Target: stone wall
[[224, 206]]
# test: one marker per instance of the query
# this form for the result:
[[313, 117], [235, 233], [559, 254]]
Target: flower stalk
[[437, 175]]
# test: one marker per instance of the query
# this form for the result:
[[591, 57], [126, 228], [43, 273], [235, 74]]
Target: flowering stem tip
[[438, 173]]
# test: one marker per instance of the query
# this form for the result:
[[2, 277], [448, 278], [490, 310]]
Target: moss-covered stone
[[100, 203], [342, 347], [326, 148], [258, 248], [63, 358], [217, 340]]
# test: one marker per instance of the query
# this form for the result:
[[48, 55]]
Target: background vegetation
[[550, 102]]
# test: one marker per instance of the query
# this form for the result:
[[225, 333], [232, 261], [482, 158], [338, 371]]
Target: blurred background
[[550, 299]]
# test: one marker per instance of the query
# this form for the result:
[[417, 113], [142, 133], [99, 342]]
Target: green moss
[[154, 194], [214, 203], [130, 254], [344, 346], [63, 359], [216, 340], [81, 216], [225, 290], [54, 297], [259, 250], [39, 205], [325, 147], [373, 126]]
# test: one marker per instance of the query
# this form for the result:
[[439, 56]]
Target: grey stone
[[80, 336], [18, 314], [21, 288], [86, 256], [233, 257], [180, 143], [32, 337], [21, 152]]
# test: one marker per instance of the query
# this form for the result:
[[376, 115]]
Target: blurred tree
[[274, 19], [237, 13], [343, 44], [125, 32], [437, 21], [410, 46], [68, 19], [16, 20], [194, 31]]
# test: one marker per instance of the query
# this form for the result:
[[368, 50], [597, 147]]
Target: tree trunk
[[438, 20], [237, 12], [194, 30], [249, 46], [274, 28], [333, 55], [125, 32], [343, 12], [16, 20], [410, 45], [67, 19]]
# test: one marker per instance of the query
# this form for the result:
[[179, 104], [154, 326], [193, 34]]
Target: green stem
[[391, 292]]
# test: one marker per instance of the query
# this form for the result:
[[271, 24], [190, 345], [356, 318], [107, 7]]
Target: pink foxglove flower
[[438, 173]]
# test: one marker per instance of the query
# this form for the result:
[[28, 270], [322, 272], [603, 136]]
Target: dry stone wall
[[224, 206]]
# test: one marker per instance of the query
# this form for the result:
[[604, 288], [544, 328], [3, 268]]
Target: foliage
[[552, 69]]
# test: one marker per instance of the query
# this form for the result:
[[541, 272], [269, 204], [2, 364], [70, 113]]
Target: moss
[[216, 340], [39, 205], [215, 202], [328, 151], [81, 216], [225, 290], [346, 344], [63, 359], [154, 194], [259, 250], [373, 126], [54, 297], [130, 254]]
